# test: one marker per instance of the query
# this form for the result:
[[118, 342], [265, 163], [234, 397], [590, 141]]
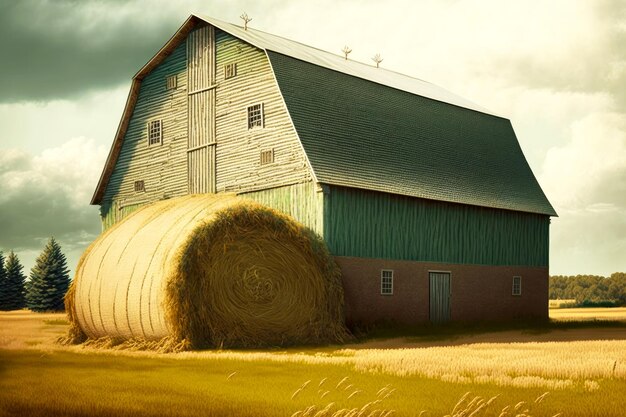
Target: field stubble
[[579, 374]]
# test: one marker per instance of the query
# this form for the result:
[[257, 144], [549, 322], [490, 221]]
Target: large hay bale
[[211, 270]]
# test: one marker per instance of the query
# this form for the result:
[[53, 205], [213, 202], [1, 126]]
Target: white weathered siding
[[238, 149], [163, 168], [201, 105], [205, 120]]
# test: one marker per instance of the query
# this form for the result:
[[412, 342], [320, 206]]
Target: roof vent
[[245, 19], [346, 50], [377, 59]]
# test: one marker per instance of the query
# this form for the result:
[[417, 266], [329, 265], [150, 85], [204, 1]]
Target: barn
[[425, 199]]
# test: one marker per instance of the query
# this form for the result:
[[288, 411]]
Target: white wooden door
[[201, 110]]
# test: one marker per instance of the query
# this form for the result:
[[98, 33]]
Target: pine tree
[[12, 294], [49, 280]]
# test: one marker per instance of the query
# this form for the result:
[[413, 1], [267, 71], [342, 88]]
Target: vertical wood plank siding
[[113, 213], [300, 201], [163, 168], [439, 300], [201, 79], [378, 225], [238, 152]]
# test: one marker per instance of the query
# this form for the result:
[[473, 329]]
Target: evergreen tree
[[49, 280], [12, 293]]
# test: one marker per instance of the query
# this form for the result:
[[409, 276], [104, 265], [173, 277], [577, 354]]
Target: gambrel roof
[[376, 129]]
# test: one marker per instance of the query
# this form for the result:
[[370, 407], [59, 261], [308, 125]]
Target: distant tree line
[[46, 287], [590, 289]]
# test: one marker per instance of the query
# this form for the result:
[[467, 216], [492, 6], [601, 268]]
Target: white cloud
[[33, 127], [71, 169], [542, 117], [586, 181], [74, 166], [48, 195], [589, 241], [591, 168]]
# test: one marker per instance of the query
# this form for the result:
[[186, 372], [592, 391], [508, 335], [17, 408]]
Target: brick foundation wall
[[478, 292]]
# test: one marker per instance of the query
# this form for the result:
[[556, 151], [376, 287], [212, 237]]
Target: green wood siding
[[379, 225], [301, 201], [163, 168], [113, 213]]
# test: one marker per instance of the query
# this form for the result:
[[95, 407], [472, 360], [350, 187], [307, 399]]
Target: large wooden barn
[[425, 199]]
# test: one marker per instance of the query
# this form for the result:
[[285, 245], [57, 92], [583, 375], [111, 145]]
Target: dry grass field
[[579, 314], [560, 303], [583, 370]]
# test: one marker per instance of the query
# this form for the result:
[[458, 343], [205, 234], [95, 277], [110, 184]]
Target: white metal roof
[[266, 41]]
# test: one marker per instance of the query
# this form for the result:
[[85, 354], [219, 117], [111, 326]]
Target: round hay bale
[[212, 271]]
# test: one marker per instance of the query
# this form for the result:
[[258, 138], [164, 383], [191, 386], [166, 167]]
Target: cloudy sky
[[557, 69]]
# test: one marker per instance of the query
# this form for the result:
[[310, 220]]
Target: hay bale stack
[[210, 270]]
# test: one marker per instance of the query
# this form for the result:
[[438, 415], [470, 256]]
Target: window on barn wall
[[517, 285], [155, 132], [386, 282], [140, 186], [230, 70], [172, 82], [255, 116], [267, 157]]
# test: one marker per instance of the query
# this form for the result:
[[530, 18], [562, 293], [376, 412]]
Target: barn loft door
[[439, 297], [201, 110]]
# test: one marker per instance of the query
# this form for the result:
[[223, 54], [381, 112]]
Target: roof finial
[[245, 19], [377, 59], [346, 50]]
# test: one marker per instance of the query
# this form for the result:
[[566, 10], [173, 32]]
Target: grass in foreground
[[73, 384], [585, 377]]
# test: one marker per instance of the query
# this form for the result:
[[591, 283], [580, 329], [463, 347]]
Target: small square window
[[255, 116], [140, 186], [517, 286], [230, 70], [267, 157], [155, 132], [172, 82], [386, 282]]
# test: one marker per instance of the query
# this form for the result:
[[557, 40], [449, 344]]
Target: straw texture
[[208, 271]]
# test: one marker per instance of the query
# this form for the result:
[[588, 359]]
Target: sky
[[556, 69]]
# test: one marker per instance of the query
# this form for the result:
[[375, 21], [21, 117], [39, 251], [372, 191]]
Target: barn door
[[439, 297], [201, 110]]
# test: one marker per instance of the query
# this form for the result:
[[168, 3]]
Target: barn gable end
[[162, 168], [233, 156]]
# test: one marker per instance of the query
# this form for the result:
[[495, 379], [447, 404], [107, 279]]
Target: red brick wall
[[479, 292]]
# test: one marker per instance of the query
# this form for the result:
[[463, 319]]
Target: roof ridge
[[390, 78], [324, 51]]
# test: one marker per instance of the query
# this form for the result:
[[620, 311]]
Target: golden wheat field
[[572, 371], [588, 313], [560, 303]]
